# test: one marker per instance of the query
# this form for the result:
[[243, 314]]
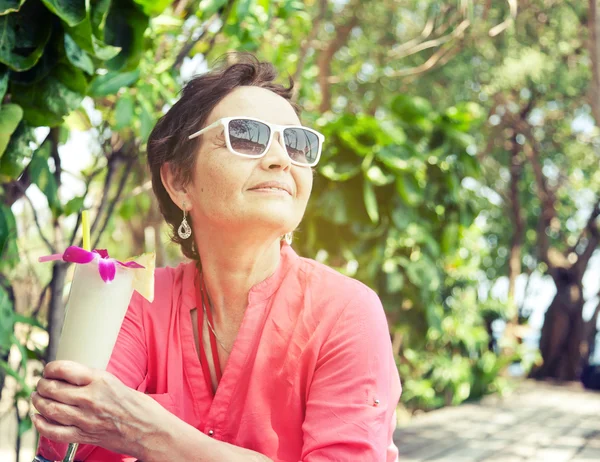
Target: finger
[[63, 392], [69, 371], [59, 433], [59, 413]]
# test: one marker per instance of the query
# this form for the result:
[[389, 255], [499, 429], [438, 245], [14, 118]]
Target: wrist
[[158, 437]]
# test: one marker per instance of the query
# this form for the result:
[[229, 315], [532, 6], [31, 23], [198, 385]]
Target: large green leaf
[[9, 253], [51, 100], [125, 27], [77, 56], [10, 116], [110, 83], [23, 35], [70, 11], [17, 151], [10, 6], [89, 33]]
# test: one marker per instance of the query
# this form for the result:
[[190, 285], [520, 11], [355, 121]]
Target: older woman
[[248, 352]]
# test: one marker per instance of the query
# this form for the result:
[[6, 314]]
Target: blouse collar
[[261, 291]]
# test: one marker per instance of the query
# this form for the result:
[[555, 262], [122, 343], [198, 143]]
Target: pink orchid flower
[[106, 266]]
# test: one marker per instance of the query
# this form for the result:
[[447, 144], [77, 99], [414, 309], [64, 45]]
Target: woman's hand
[[82, 405]]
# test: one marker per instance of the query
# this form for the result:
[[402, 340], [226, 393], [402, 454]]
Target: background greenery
[[462, 150]]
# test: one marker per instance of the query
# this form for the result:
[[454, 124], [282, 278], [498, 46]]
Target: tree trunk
[[563, 330], [56, 308]]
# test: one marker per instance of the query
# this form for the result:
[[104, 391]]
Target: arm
[[128, 363], [180, 441], [83, 405], [353, 395]]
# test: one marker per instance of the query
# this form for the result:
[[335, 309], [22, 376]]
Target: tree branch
[[592, 233], [222, 14], [115, 199], [498, 29], [49, 245], [305, 46], [458, 32], [342, 33]]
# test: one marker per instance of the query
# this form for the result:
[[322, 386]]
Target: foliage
[[391, 206]]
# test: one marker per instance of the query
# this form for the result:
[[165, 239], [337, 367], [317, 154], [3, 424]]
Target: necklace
[[213, 331]]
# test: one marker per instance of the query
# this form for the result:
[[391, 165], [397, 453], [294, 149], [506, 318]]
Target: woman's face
[[225, 188]]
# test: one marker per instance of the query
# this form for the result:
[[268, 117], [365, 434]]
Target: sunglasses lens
[[248, 137], [302, 145]]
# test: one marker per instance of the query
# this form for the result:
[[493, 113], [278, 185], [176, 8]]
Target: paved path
[[538, 422]]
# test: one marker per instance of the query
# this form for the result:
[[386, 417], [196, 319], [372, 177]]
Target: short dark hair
[[169, 142]]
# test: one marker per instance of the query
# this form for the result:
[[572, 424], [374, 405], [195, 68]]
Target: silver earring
[[287, 237], [184, 230]]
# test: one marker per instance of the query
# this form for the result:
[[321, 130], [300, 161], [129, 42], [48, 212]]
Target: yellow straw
[[85, 225]]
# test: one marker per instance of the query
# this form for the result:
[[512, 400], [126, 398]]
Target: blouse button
[[211, 432]]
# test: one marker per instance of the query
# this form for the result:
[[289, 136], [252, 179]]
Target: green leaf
[[377, 177], [10, 6], [88, 34], [73, 206], [9, 253], [53, 98], [411, 109], [146, 122], [4, 74], [125, 28], [6, 316], [10, 117], [18, 149], [124, 112], [31, 321], [22, 45], [70, 11], [40, 174], [339, 171], [25, 425], [77, 56], [207, 8], [408, 189], [111, 82], [78, 120], [153, 7], [370, 201], [396, 158]]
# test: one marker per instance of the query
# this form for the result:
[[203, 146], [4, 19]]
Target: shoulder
[[171, 284], [334, 294]]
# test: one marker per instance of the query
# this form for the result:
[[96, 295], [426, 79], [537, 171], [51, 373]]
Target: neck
[[231, 266]]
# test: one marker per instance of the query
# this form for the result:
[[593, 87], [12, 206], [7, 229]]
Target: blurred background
[[460, 177]]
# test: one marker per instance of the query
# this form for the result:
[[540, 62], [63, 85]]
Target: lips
[[273, 185]]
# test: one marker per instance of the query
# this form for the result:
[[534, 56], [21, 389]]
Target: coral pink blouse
[[311, 376]]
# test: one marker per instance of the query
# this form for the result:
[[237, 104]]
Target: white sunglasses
[[250, 137]]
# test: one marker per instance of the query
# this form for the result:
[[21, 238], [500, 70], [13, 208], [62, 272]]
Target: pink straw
[[56, 256]]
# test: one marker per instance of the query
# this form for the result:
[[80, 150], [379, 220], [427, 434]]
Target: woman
[[248, 352]]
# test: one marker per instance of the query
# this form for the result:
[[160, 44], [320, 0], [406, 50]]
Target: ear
[[177, 193]]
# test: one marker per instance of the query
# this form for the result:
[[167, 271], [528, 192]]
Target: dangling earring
[[184, 230], [287, 237]]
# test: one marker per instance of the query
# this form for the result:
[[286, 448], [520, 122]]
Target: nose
[[277, 157]]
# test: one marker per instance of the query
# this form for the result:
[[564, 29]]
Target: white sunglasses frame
[[274, 129]]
